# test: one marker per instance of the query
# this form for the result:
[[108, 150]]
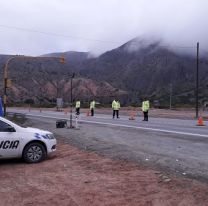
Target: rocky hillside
[[150, 71], [42, 80], [129, 72]]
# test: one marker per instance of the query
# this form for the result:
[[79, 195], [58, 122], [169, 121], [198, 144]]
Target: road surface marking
[[128, 126]]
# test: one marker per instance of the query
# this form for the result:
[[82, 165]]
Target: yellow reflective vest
[[115, 105], [92, 104], [77, 104], [145, 106]]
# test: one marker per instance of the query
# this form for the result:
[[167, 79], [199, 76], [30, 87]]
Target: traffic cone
[[200, 122], [132, 116], [88, 113], [65, 111]]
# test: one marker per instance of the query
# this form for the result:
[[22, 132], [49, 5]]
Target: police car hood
[[36, 130]]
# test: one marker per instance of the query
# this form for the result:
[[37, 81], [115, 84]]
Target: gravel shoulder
[[177, 154]]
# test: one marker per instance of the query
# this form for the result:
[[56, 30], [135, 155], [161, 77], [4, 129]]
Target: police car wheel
[[34, 153]]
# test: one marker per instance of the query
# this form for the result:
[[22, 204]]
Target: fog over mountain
[[134, 47], [38, 27], [127, 72]]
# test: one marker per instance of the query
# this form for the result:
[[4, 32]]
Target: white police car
[[31, 144]]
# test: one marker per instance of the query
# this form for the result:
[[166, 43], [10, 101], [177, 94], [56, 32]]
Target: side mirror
[[10, 129]]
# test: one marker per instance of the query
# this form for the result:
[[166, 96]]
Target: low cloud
[[100, 25]]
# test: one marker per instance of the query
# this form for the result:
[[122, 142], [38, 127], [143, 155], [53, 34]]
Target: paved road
[[172, 145], [174, 126]]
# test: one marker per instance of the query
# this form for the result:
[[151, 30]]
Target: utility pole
[[171, 85], [5, 95], [71, 126], [171, 89], [197, 80]]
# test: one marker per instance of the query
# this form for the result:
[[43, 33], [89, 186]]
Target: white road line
[[128, 126], [147, 128]]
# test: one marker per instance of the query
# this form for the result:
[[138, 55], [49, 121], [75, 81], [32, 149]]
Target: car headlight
[[50, 136]]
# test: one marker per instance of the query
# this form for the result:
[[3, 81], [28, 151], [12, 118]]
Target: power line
[[55, 34], [87, 39]]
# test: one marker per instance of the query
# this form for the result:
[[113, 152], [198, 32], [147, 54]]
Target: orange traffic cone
[[65, 111], [200, 122], [88, 113], [132, 116]]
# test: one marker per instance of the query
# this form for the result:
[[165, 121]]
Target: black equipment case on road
[[61, 123]]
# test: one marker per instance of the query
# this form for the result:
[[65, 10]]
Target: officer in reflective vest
[[145, 109], [92, 107], [115, 107], [77, 106]]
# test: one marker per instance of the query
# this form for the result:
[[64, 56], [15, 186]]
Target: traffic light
[[8, 83]]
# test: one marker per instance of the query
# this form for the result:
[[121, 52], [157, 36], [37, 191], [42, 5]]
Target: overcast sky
[[35, 27]]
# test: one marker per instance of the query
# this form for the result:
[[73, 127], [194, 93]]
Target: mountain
[[134, 70], [41, 80], [72, 57], [150, 70]]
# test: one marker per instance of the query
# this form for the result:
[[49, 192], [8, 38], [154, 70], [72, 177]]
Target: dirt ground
[[77, 177]]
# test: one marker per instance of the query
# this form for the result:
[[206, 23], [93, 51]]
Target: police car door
[[9, 141]]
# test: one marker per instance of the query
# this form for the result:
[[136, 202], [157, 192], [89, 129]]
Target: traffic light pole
[[6, 80], [6, 83]]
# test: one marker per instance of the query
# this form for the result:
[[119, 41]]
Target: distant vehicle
[[31, 144]]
